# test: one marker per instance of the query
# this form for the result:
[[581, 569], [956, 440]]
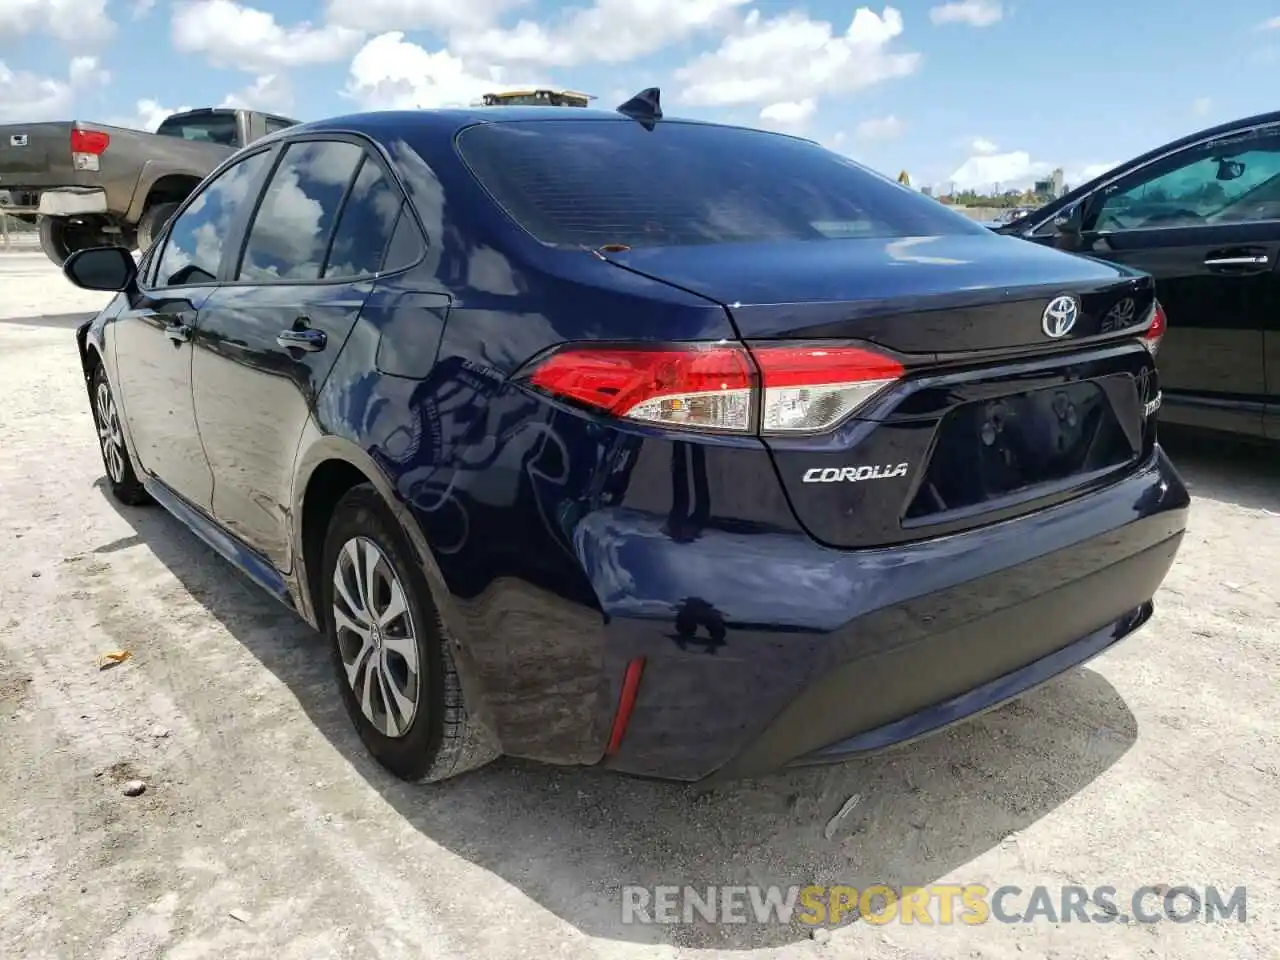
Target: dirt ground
[[265, 832]]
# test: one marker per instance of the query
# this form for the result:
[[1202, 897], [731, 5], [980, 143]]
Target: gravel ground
[[265, 832]]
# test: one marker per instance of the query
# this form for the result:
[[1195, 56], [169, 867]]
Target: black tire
[[116, 461], [152, 222], [61, 237], [439, 740]]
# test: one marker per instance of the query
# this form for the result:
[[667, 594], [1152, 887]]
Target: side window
[[407, 243], [291, 229], [193, 248], [366, 225], [274, 126], [1224, 181]]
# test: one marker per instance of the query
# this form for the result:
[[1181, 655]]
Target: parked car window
[[590, 182], [291, 229], [1222, 182], [194, 245], [407, 242], [365, 225], [208, 128], [274, 126]]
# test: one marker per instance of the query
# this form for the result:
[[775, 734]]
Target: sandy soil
[[265, 832]]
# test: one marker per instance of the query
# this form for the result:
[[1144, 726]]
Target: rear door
[[268, 339], [1205, 222]]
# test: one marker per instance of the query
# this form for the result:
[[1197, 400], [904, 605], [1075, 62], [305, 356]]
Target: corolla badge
[[854, 474], [1060, 316]]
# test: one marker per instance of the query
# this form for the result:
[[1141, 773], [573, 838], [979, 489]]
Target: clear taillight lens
[[810, 387], [799, 388]]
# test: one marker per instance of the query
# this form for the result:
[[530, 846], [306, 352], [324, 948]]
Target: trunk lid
[[916, 295], [993, 418]]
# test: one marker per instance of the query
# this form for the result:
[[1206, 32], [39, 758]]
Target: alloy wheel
[[375, 636], [110, 435]]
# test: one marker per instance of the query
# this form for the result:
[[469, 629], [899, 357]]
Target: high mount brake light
[[1154, 333], [798, 388]]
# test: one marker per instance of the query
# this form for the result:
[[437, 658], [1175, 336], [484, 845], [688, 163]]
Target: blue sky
[[972, 91]]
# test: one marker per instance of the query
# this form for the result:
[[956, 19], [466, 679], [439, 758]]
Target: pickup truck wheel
[[152, 222], [60, 237]]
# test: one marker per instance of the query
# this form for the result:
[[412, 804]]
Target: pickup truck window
[[193, 248], [213, 128], [275, 126], [291, 230]]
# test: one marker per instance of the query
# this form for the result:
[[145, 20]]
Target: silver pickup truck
[[89, 184]]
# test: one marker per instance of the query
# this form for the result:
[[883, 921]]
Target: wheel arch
[[327, 466]]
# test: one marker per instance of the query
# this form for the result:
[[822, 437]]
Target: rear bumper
[[802, 654], [72, 202]]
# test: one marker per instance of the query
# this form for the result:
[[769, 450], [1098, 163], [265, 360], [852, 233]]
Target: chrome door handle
[[1249, 261], [178, 332], [305, 339]]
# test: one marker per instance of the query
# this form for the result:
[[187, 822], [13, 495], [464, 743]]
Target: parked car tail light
[[87, 146], [797, 388], [812, 387], [1154, 333]]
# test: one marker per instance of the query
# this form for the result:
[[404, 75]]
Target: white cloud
[[31, 96], [141, 8], [85, 71], [78, 23], [608, 31], [1016, 170], [1272, 24], [375, 16], [976, 13], [271, 93], [789, 111], [389, 73], [232, 35], [790, 57], [880, 128], [1201, 106], [148, 115], [981, 145]]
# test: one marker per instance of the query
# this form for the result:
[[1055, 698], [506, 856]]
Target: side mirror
[[101, 268]]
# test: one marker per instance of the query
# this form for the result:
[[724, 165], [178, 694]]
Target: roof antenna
[[645, 107]]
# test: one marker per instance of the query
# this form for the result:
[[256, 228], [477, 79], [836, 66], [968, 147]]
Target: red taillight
[[713, 386], [813, 387], [90, 141], [1159, 323]]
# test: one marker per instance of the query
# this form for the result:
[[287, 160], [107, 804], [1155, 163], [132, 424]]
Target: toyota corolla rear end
[[915, 475]]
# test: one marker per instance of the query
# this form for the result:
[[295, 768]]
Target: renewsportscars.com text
[[936, 904]]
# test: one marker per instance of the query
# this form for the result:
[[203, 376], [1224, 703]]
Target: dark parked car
[[583, 438], [1202, 215]]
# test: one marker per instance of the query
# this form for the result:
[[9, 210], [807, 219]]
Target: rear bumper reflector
[[626, 703]]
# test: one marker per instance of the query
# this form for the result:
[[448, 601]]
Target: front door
[[268, 339], [1205, 222], [153, 335]]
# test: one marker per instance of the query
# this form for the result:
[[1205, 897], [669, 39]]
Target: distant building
[[927, 190], [1052, 187]]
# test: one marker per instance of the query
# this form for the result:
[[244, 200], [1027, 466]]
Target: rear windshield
[[213, 128], [596, 182]]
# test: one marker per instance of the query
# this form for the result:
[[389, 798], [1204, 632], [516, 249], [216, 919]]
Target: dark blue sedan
[[603, 438]]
